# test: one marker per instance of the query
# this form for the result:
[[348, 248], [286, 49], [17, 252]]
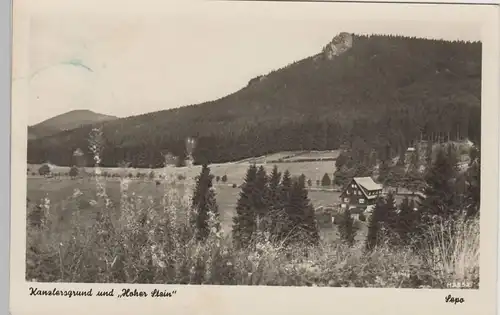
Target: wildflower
[[157, 261], [77, 192], [114, 261]]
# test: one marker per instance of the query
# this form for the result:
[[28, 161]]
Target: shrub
[[326, 181], [73, 172], [224, 178], [362, 217], [235, 186], [44, 170]]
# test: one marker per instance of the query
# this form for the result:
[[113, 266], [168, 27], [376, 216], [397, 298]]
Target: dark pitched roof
[[367, 183]]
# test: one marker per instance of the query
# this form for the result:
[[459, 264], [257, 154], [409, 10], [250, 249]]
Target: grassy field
[[313, 155], [58, 190], [235, 171]]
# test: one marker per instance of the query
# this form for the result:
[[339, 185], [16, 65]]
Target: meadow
[[235, 171], [58, 190]]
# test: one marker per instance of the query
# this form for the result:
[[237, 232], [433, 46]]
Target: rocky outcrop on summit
[[339, 44]]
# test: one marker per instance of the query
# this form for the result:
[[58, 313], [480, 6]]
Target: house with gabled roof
[[361, 193]]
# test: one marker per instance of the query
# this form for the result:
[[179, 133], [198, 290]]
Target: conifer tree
[[244, 222], [362, 170], [372, 160], [406, 219], [401, 159], [383, 172], [347, 228], [343, 175], [415, 161], [440, 194], [428, 154], [326, 181], [413, 179], [452, 156], [374, 236], [310, 224], [309, 216], [390, 216], [282, 222], [274, 200], [300, 215], [204, 202], [260, 197], [473, 179]]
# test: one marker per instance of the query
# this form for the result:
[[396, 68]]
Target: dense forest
[[385, 91]]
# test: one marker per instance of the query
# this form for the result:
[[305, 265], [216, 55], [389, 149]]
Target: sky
[[130, 63]]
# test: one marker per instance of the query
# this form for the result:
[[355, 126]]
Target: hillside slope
[[67, 121], [384, 90]]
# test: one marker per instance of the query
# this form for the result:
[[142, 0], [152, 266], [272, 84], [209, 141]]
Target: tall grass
[[453, 250]]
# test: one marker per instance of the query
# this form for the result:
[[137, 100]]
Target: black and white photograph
[[223, 145]]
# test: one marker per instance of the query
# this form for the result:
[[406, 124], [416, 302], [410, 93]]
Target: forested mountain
[[66, 121], [382, 90]]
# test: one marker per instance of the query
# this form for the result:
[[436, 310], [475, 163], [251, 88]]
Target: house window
[[353, 185], [346, 199], [361, 200]]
